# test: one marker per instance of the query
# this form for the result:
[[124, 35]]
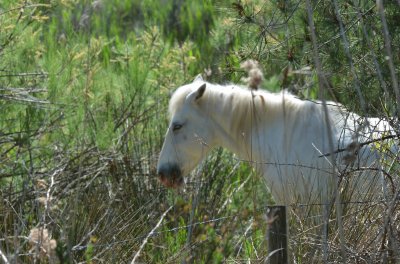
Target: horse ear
[[200, 91], [197, 94], [198, 78]]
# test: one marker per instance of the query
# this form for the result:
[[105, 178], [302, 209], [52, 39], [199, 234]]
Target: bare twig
[[389, 54], [24, 6], [150, 234], [3, 257], [25, 74], [23, 90], [388, 217], [323, 85], [25, 99], [361, 144], [374, 57], [348, 54]]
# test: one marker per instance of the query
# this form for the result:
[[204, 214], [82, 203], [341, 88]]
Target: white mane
[[234, 95], [243, 108]]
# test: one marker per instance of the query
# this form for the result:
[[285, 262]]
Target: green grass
[[84, 88]]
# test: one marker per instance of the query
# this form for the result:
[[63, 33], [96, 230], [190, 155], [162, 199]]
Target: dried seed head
[[255, 75], [42, 243]]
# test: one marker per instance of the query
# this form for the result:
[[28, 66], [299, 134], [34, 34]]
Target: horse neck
[[252, 124], [235, 121]]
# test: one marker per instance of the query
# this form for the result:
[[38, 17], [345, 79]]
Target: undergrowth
[[84, 88]]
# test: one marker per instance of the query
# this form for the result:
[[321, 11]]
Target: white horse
[[302, 150]]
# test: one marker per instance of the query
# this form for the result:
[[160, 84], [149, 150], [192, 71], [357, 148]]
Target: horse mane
[[242, 102]]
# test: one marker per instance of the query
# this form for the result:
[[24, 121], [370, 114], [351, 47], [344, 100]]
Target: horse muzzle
[[170, 175]]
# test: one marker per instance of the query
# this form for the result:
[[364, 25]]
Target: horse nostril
[[170, 175]]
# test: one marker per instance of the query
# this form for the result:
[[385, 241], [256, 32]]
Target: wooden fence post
[[277, 235]]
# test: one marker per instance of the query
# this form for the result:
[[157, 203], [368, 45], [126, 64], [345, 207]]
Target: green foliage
[[84, 87]]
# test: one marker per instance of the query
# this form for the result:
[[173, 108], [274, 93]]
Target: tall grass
[[84, 88], [83, 117]]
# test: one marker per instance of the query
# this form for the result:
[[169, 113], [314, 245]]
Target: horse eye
[[176, 127]]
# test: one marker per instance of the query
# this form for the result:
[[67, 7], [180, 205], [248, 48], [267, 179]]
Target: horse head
[[189, 136]]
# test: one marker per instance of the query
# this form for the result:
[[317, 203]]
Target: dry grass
[[83, 119]]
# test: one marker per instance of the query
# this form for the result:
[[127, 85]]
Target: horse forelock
[[178, 98]]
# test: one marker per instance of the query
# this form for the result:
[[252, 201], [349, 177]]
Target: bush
[[84, 87]]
